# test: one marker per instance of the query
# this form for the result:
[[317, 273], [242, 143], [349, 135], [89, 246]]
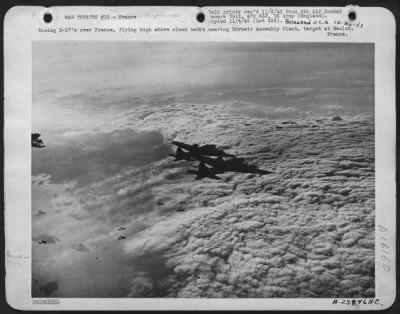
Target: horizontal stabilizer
[[262, 172]]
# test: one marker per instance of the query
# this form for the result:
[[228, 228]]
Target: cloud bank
[[307, 230]]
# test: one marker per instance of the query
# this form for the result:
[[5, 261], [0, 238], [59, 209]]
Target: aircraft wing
[[213, 152], [39, 145], [262, 172], [207, 160], [252, 170], [183, 145]]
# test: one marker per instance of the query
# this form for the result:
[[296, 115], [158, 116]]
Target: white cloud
[[295, 233]]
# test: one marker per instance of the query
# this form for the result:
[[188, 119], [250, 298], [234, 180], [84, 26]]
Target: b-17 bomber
[[205, 150], [209, 167], [37, 141]]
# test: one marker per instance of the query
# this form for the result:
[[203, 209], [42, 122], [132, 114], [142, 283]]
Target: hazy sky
[[148, 67]]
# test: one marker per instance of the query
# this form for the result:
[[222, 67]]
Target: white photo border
[[21, 25]]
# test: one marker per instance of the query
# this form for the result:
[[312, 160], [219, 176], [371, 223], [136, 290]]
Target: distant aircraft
[[205, 150], [204, 172], [121, 237], [36, 141], [180, 210], [40, 212], [121, 228], [42, 242], [231, 165]]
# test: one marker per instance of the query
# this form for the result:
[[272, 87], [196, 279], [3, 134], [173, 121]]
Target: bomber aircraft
[[203, 150], [215, 166], [37, 141]]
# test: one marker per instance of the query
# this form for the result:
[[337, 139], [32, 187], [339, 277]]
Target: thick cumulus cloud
[[307, 230]]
